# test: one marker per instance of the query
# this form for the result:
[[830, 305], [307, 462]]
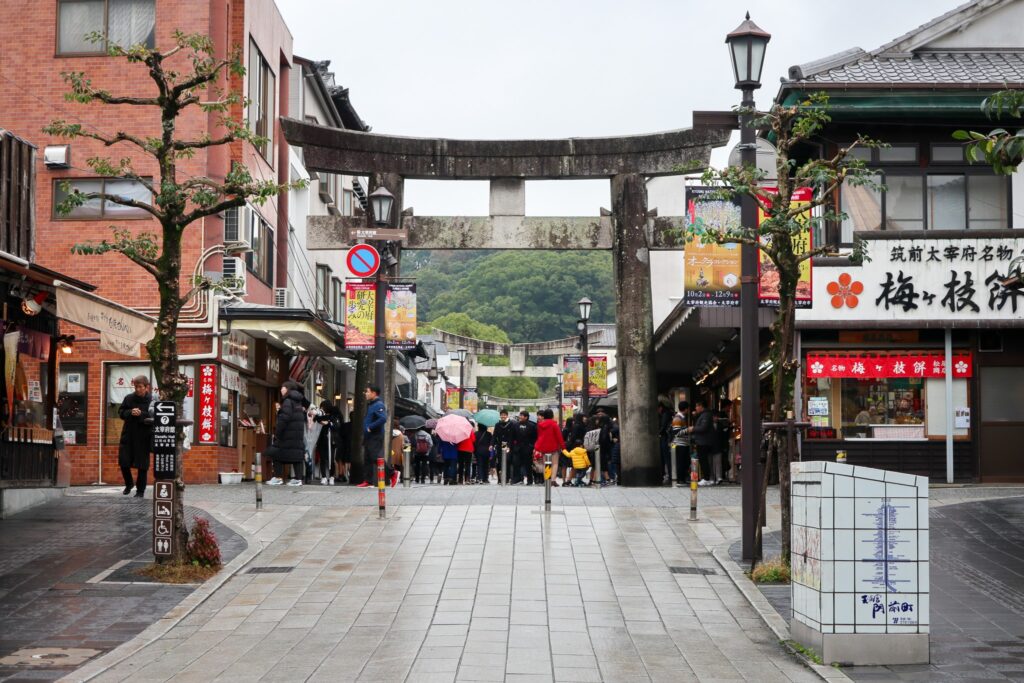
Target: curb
[[769, 616], [160, 628]]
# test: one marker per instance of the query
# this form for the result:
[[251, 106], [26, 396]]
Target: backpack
[[422, 445], [591, 440]]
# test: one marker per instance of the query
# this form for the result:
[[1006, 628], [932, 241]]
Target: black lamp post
[[585, 304], [461, 355], [561, 400], [747, 46], [381, 202]]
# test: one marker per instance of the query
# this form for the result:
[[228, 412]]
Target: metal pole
[[504, 466], [380, 487], [694, 468], [259, 480], [674, 475], [597, 466], [585, 392], [462, 383], [750, 407], [406, 467], [561, 400], [547, 482], [379, 346], [949, 405]]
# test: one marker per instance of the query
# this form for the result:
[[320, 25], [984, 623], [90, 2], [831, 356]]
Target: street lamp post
[[461, 355], [381, 202], [561, 399], [747, 46], [585, 305]]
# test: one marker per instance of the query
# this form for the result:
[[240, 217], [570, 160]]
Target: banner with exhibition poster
[[451, 398], [572, 376], [360, 315], [400, 316], [711, 272], [768, 274]]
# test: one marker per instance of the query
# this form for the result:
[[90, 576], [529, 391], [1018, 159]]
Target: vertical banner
[[360, 315], [572, 376], [598, 376], [451, 397], [711, 272], [768, 274], [400, 317], [471, 401], [207, 403]]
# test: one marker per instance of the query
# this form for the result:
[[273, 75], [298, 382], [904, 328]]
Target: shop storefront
[[876, 347]]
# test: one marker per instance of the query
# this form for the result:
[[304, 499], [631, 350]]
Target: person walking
[[422, 446], [482, 450], [397, 449], [723, 425], [327, 441], [502, 438], [343, 452], [616, 459], [289, 447], [524, 438], [549, 440], [681, 441], [136, 436], [450, 458], [466, 448], [605, 445], [705, 438], [591, 444], [374, 426], [664, 439]]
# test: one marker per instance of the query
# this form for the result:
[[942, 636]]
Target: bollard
[[380, 486], [258, 467], [675, 473], [504, 466], [694, 469], [597, 467], [547, 482], [406, 467]]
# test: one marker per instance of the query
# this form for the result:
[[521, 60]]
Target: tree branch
[[203, 212], [200, 144]]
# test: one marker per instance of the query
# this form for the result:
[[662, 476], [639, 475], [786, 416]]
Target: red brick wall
[[32, 94]]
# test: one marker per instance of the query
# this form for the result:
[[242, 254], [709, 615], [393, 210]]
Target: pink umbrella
[[453, 428]]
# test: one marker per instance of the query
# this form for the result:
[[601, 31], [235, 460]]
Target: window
[[337, 300], [119, 385], [346, 207], [260, 261], [101, 208], [262, 98], [123, 22], [72, 398], [323, 283]]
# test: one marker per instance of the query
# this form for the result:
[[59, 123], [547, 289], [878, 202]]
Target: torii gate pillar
[[638, 420]]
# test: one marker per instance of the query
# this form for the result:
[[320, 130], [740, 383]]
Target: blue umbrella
[[487, 417]]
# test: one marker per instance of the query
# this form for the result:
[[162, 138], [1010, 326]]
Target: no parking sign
[[363, 260]]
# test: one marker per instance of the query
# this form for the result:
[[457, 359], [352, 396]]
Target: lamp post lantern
[[561, 398], [461, 355], [747, 47], [585, 304]]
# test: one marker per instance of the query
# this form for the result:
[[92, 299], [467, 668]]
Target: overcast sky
[[559, 68]]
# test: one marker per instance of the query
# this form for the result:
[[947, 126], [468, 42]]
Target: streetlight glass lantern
[[461, 355], [585, 304], [381, 202], [746, 46]]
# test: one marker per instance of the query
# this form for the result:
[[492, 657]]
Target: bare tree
[[176, 201]]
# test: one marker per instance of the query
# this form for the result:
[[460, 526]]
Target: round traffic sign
[[363, 260]]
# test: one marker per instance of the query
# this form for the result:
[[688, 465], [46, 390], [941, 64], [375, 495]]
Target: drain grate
[[269, 570], [692, 570]]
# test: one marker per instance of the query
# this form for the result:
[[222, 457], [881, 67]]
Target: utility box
[[859, 562]]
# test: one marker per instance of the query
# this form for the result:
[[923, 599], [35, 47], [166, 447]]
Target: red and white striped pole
[[380, 486]]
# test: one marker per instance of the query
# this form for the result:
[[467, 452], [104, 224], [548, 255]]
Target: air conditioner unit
[[236, 230], [282, 297], [234, 275]]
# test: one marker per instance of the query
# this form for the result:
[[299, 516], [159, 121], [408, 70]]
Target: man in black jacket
[[705, 438], [136, 436], [524, 437], [503, 433]]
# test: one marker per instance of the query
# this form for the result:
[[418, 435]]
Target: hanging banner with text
[[360, 315], [451, 396], [887, 366], [954, 281], [400, 317], [711, 272], [572, 376], [768, 274], [208, 399], [471, 401]]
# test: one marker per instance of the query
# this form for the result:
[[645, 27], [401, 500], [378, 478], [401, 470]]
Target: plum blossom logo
[[844, 291], [961, 367], [817, 367]]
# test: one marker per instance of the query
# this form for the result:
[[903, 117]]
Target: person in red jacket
[[549, 439], [466, 448]]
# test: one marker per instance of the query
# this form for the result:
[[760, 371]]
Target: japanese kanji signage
[[208, 403], [933, 280], [888, 366], [400, 316], [164, 440], [711, 274], [360, 315], [768, 274], [572, 376]]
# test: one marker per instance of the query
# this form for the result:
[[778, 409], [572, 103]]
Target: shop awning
[[295, 328], [122, 330]]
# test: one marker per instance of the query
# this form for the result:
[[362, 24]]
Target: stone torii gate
[[628, 230]]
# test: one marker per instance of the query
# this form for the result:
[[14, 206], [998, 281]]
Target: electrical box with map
[[860, 564]]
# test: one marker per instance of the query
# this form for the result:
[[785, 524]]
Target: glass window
[[260, 261], [98, 207], [898, 154], [346, 208], [72, 398], [228, 399], [262, 98], [863, 153], [893, 401], [987, 202], [336, 300], [863, 208], [119, 385], [947, 153], [904, 202], [947, 202], [997, 386], [323, 287], [123, 22]]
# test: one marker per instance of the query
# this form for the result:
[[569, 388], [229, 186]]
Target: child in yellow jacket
[[580, 463]]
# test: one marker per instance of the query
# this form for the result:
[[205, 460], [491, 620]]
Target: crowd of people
[[710, 435]]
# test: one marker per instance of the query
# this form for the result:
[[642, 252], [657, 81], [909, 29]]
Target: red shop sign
[[866, 366], [207, 404]]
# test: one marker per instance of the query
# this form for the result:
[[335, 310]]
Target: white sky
[[559, 68]]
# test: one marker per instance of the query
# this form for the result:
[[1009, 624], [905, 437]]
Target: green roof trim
[[853, 105]]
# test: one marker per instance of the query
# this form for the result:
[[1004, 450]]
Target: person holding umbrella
[[482, 449]]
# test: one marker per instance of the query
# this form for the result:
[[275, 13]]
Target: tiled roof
[[925, 68]]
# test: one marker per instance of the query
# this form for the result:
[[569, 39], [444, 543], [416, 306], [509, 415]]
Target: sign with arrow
[[165, 447]]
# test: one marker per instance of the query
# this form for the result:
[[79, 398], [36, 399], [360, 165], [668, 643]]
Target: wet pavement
[[60, 603], [977, 595]]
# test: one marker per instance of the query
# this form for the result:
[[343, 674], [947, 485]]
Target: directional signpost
[[163, 522], [165, 450], [363, 260]]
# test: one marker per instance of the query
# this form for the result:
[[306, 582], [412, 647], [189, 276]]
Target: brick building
[[44, 39]]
